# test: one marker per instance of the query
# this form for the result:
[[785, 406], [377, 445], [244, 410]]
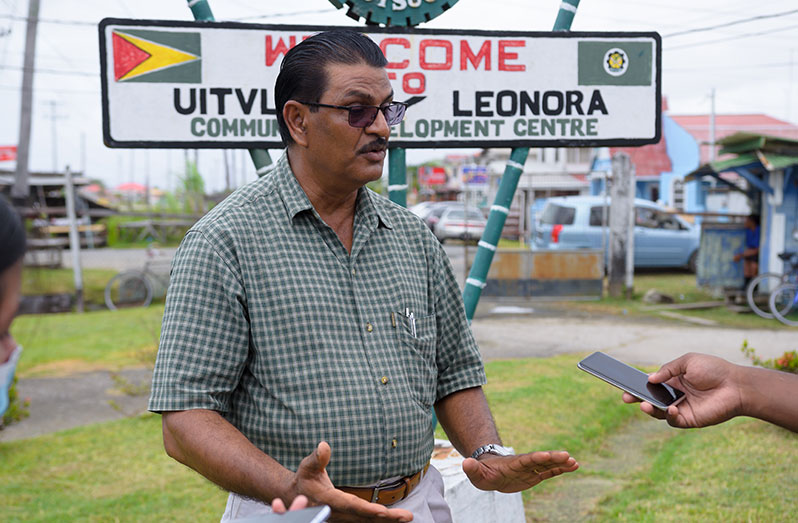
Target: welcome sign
[[202, 84]]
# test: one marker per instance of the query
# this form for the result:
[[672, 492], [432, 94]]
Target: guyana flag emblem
[[156, 56]]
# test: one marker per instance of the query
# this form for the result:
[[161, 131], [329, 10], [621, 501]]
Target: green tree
[[192, 190]]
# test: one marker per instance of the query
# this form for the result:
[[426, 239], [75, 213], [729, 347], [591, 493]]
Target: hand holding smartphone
[[630, 380]]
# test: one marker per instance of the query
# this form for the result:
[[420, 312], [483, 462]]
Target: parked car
[[433, 213], [460, 223], [662, 239], [421, 209]]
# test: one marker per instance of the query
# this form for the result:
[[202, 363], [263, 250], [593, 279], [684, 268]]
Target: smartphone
[[631, 380], [306, 515]]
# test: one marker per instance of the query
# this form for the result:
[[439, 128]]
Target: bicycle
[[758, 291], [137, 288], [783, 301]]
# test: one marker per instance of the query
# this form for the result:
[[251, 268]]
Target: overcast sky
[[751, 61]]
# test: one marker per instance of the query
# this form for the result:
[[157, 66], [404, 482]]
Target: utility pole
[[74, 238], [712, 126], [227, 183], [54, 128], [21, 188], [621, 223]]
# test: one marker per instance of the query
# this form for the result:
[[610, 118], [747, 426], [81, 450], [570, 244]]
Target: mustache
[[380, 144]]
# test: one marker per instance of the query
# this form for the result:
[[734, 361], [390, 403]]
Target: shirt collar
[[296, 201]]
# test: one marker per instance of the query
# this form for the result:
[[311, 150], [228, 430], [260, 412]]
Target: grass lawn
[[739, 471], [682, 287], [744, 470], [57, 281], [113, 471], [60, 343]]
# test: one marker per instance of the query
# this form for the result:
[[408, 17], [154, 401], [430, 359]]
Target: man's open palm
[[311, 480], [516, 473]]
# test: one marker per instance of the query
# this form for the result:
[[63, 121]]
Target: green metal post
[[504, 197], [202, 13], [397, 176], [566, 15]]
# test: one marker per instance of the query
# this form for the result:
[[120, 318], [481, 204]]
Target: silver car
[[457, 222]]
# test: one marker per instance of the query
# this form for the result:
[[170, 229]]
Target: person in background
[[750, 254], [12, 251], [717, 390]]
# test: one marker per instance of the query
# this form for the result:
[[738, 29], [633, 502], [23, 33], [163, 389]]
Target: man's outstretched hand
[[312, 481], [516, 473]]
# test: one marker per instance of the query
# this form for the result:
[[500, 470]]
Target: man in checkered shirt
[[311, 325]]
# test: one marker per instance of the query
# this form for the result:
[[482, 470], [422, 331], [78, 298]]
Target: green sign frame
[[402, 13]]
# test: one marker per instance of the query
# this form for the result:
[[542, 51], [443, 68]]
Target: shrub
[[17, 409], [787, 362]]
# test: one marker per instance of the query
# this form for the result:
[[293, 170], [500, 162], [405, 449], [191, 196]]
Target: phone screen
[[307, 515], [629, 379]]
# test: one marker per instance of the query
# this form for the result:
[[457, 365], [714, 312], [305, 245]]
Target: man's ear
[[295, 115]]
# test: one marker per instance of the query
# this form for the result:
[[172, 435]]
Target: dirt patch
[[575, 496]]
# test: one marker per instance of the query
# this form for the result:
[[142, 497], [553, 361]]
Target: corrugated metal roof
[[698, 126]]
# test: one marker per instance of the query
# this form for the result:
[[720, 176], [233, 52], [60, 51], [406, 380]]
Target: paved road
[[118, 259]]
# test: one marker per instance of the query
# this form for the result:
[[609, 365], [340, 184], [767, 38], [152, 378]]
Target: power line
[[280, 15], [728, 24], [52, 90], [50, 71], [17, 18], [735, 67], [735, 37]]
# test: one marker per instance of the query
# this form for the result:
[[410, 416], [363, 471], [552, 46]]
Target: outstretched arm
[[466, 418], [717, 390]]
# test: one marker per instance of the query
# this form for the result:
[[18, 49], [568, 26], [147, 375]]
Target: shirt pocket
[[418, 356]]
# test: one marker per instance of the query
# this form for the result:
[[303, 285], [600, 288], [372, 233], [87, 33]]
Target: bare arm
[[209, 444], [466, 418], [717, 390], [770, 395]]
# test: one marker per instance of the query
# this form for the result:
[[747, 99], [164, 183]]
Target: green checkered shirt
[[271, 322]]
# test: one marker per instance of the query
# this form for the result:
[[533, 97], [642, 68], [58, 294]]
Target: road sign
[[430, 175], [205, 85], [8, 153]]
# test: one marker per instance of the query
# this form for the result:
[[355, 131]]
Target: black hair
[[12, 236], [754, 218], [302, 72]]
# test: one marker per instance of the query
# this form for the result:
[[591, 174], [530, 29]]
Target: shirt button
[[369, 328], [394, 443], [353, 272], [384, 380]]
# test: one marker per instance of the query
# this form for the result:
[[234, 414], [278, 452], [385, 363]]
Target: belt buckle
[[379, 488]]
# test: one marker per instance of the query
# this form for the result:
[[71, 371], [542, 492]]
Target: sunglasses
[[364, 115]]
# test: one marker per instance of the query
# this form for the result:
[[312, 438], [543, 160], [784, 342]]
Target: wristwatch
[[492, 448]]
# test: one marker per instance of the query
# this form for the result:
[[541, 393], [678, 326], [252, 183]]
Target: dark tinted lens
[[394, 113], [362, 115]]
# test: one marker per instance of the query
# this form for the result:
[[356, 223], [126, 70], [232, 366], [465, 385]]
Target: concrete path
[[638, 341], [65, 402]]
